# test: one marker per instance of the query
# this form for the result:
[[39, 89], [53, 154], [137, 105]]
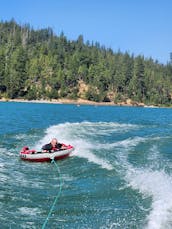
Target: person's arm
[[61, 146], [47, 147]]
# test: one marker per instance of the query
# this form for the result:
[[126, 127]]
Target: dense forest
[[37, 64]]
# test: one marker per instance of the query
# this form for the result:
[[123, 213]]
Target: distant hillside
[[37, 64]]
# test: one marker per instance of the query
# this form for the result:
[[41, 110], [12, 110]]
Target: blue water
[[119, 176]]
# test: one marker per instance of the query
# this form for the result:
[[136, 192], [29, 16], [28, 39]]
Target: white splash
[[29, 211], [152, 182], [124, 144], [84, 150], [158, 185], [76, 135]]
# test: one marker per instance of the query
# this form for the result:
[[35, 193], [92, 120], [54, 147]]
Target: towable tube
[[39, 156]]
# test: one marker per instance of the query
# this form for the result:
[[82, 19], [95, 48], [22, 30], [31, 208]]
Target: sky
[[140, 27]]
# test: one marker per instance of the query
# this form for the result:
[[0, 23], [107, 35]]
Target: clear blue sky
[[137, 26]]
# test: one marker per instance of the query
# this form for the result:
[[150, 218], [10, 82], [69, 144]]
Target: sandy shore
[[60, 101], [79, 102]]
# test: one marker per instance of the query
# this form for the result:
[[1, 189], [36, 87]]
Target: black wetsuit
[[49, 147]]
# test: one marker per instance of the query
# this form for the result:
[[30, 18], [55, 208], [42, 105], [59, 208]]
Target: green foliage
[[92, 95], [37, 64]]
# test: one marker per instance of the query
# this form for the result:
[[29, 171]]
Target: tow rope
[[57, 197]]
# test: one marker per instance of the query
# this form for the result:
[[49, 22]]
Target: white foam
[[2, 165], [152, 181], [91, 128], [83, 149], [20, 136], [158, 185], [6, 152], [124, 144], [3, 178], [29, 211], [149, 181], [75, 134]]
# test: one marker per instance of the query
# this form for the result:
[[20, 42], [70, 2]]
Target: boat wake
[[78, 135], [158, 185], [151, 180]]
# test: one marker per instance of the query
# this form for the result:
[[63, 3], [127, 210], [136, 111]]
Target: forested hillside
[[37, 64]]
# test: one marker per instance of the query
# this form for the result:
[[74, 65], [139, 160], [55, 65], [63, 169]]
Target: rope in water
[[57, 197]]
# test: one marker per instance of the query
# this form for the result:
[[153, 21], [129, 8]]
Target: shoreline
[[70, 101], [79, 102]]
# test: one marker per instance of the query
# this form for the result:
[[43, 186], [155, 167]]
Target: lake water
[[119, 176]]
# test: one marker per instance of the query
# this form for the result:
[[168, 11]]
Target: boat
[[41, 156]]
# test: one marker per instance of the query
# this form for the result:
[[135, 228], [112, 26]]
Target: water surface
[[119, 176]]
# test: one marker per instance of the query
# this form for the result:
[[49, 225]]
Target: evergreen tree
[[38, 64], [138, 81]]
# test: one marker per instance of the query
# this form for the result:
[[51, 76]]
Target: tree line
[[38, 64]]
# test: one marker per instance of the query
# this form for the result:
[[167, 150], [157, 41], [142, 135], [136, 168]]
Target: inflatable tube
[[39, 156]]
